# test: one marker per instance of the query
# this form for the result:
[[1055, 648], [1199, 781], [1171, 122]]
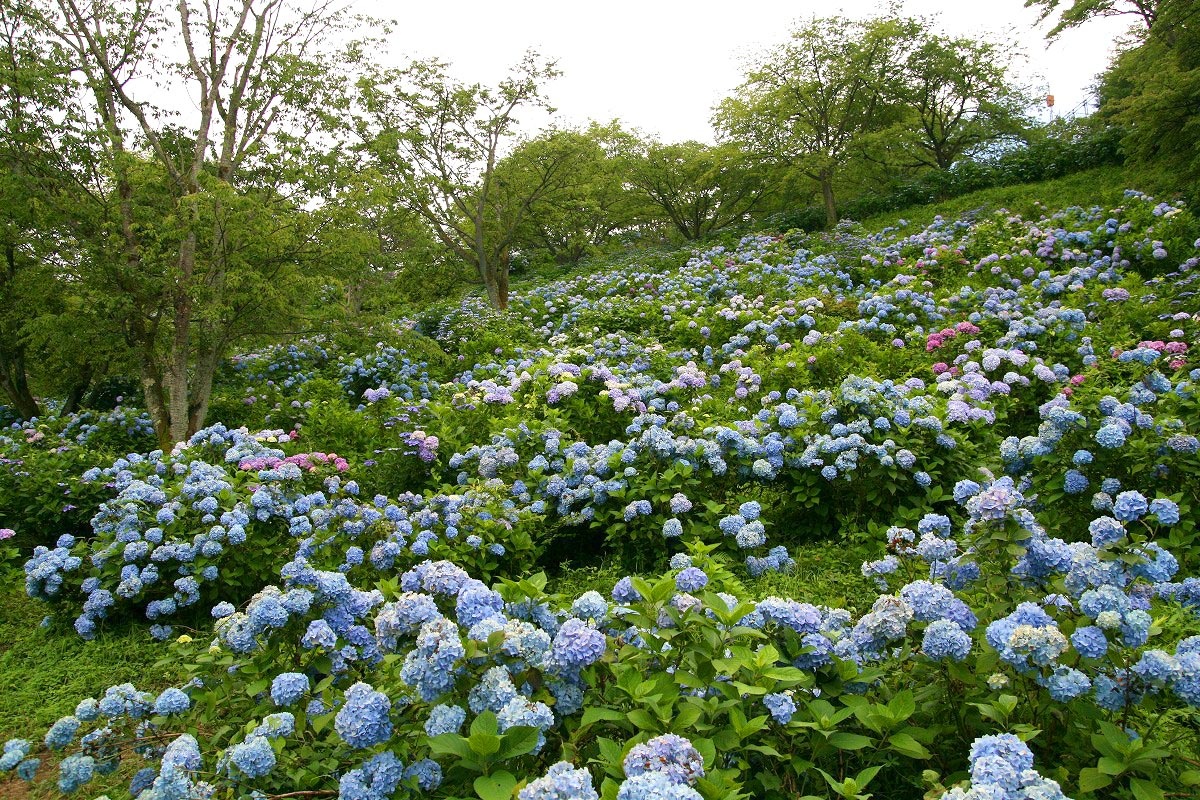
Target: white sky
[[661, 65]]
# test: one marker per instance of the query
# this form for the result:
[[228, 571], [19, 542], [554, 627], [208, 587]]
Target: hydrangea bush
[[1001, 413]]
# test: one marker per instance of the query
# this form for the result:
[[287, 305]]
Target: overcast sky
[[661, 65]]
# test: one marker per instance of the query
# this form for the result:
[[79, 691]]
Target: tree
[[1152, 93], [1081, 11], [200, 234], [697, 188], [960, 96], [808, 101], [48, 175], [441, 142], [589, 203]]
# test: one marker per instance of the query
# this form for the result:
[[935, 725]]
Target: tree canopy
[[440, 140]]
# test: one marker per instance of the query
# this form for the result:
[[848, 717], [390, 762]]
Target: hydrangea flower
[[172, 701], [945, 639], [561, 782], [691, 579], [577, 644], [288, 688], [781, 706], [669, 754], [363, 721]]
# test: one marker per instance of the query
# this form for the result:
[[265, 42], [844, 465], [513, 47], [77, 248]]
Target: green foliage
[[45, 670], [439, 142], [1151, 92], [1081, 11], [696, 189]]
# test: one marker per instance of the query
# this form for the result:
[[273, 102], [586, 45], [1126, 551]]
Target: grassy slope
[[1102, 186]]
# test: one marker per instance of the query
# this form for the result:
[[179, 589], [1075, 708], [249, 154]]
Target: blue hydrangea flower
[[945, 639], [1110, 436], [1067, 683], [62, 732], [253, 757], [521, 711], [445, 719], [427, 772], [691, 579], [377, 779], [14, 751], [1090, 641], [1075, 482], [669, 754], [680, 504], [1165, 511], [623, 591], [75, 771], [363, 721], [561, 782], [288, 688], [172, 701], [1129, 506], [1157, 669], [655, 786], [577, 644], [781, 706], [590, 605]]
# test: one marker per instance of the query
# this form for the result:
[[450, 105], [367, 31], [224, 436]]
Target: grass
[[45, 672], [824, 574], [1104, 186]]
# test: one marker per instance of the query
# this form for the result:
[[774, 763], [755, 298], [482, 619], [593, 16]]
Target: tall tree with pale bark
[[204, 241]]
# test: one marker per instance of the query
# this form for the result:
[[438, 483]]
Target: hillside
[[991, 404]]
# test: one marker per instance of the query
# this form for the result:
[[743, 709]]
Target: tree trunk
[[496, 284], [15, 384], [831, 215], [156, 404], [178, 387], [77, 391], [13, 379], [202, 384], [502, 287]]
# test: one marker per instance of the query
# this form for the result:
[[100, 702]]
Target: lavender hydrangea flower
[[691, 579], [577, 644]]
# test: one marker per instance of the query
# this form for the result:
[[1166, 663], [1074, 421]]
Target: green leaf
[[902, 705], [866, 776], [451, 744], [485, 723], [687, 716], [643, 719], [707, 750], [1091, 779], [597, 713], [517, 741], [906, 745], [849, 741], [1111, 766], [498, 786], [1145, 790], [484, 744], [1190, 777]]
